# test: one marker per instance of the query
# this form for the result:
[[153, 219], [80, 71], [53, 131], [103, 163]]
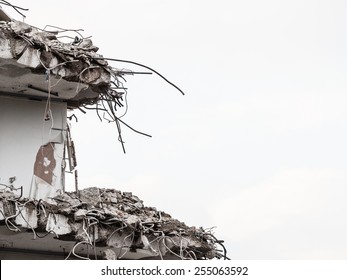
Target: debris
[[100, 217], [109, 255], [41, 51], [58, 223], [36, 65]]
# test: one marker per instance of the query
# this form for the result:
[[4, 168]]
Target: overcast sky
[[256, 147]]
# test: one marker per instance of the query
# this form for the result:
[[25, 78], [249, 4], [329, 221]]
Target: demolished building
[[98, 224], [41, 78]]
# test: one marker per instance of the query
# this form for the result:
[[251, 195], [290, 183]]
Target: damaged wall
[[31, 149]]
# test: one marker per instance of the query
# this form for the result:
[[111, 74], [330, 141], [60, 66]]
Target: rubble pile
[[41, 52], [115, 220]]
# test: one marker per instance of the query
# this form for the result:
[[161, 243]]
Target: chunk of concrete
[[58, 224], [30, 58]]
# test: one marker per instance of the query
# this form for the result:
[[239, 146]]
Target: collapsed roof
[[108, 223], [34, 63]]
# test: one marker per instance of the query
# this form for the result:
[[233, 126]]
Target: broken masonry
[[41, 78]]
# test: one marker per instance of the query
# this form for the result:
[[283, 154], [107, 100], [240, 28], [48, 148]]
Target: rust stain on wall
[[45, 163]]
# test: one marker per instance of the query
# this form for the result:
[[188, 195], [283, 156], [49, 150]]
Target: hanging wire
[[109, 98]]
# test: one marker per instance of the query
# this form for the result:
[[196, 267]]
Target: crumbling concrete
[[116, 221], [30, 56]]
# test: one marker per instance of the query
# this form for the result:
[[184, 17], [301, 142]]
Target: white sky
[[257, 147]]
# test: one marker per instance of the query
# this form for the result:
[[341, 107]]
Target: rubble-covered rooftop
[[108, 223], [34, 63]]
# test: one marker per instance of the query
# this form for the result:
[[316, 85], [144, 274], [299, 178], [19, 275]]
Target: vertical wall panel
[[23, 131]]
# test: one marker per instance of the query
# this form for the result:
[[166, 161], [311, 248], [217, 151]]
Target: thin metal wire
[[16, 8], [144, 66], [61, 30]]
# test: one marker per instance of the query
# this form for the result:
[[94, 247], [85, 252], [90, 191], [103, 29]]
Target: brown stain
[[45, 163]]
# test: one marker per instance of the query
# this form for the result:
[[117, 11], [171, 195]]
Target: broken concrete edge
[[77, 61], [109, 218]]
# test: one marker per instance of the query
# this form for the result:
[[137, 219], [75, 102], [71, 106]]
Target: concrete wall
[[31, 148]]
